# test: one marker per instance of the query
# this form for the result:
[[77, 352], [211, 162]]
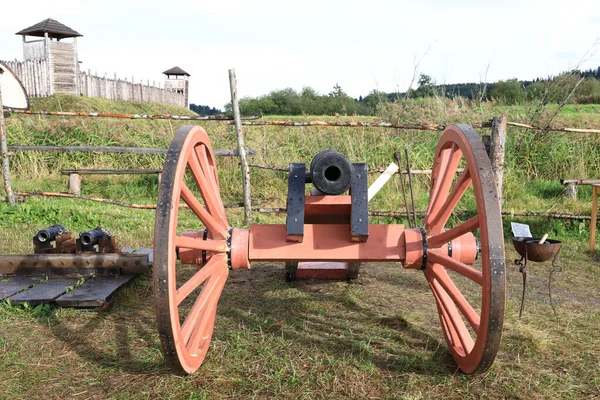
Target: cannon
[[445, 252], [49, 234], [98, 240]]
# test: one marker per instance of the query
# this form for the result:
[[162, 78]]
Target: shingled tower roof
[[52, 27], [176, 71]]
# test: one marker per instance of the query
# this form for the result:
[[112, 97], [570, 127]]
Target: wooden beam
[[115, 149], [498, 141], [239, 133], [10, 195], [109, 171]]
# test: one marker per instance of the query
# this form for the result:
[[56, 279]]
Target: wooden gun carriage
[[191, 267]]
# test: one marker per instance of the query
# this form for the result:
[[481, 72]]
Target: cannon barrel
[[91, 238], [49, 234], [331, 172]]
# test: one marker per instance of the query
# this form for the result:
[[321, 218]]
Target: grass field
[[377, 337]]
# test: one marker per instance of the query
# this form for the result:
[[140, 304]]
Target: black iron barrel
[[331, 172], [49, 234], [91, 238]]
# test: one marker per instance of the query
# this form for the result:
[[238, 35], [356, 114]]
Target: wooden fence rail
[[136, 116], [115, 149]]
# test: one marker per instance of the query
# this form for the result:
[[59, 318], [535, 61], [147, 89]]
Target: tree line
[[580, 87]]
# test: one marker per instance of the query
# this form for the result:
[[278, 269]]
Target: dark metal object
[[53, 240], [331, 172], [100, 237], [295, 202], [359, 220], [412, 196], [49, 234], [531, 250], [290, 271], [398, 157], [93, 237]]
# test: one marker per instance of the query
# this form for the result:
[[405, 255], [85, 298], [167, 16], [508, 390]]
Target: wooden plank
[[580, 181], [115, 149], [596, 191], [95, 292], [148, 251], [73, 263], [15, 284], [92, 171], [45, 292]]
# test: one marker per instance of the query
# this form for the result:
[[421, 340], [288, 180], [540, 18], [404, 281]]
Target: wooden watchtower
[[177, 80], [62, 62]]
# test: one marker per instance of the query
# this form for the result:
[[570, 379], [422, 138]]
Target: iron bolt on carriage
[[330, 227]]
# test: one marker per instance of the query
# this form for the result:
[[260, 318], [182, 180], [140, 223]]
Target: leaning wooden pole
[[498, 141], [10, 195], [241, 149]]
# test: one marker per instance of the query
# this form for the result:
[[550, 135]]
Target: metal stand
[[523, 270]]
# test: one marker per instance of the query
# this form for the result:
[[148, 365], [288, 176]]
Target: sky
[[360, 45]]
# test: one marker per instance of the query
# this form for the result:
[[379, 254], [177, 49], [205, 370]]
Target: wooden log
[[570, 190], [553, 128], [427, 127], [594, 218], [137, 116], [101, 171], [10, 196], [63, 263], [241, 149], [115, 149], [75, 184], [580, 181], [497, 144]]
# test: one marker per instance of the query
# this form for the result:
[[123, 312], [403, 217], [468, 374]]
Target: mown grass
[[378, 337]]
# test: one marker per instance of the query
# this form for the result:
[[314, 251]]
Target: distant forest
[[205, 110], [579, 87]]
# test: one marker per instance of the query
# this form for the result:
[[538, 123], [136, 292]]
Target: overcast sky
[[362, 45]]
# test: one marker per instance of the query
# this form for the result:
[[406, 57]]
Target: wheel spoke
[[451, 234], [444, 184], [456, 266], [461, 302], [204, 327], [202, 153], [215, 227], [206, 187], [453, 317], [186, 242], [440, 165], [199, 277], [438, 222], [191, 324], [446, 324]]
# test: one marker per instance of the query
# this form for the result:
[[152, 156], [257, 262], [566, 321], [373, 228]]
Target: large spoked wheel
[[470, 298], [186, 295]]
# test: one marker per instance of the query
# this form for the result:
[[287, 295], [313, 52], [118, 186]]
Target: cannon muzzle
[[331, 172], [49, 234], [93, 237]]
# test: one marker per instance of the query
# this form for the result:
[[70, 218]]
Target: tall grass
[[530, 156]]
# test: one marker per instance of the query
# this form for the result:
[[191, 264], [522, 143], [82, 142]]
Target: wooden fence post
[[497, 152], [10, 195], [240, 139]]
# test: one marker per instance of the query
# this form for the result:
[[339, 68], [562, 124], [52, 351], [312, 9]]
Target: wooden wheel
[[186, 294], [471, 317]]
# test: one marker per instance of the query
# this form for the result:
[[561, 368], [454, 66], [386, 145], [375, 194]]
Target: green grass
[[378, 337]]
